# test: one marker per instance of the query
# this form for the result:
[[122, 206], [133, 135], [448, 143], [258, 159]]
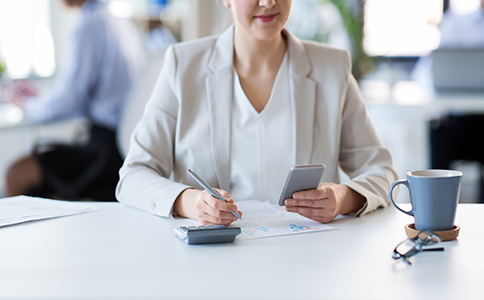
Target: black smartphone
[[301, 178]]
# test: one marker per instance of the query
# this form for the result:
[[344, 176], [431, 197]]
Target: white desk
[[123, 253]]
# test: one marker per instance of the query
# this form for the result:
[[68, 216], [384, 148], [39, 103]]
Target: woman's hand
[[326, 202], [205, 208]]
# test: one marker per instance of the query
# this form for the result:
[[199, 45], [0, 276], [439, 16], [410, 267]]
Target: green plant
[[353, 19], [3, 66]]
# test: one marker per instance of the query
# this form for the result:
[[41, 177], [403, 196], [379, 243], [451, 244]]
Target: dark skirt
[[81, 172]]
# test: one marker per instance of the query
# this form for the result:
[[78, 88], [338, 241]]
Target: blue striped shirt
[[102, 61]]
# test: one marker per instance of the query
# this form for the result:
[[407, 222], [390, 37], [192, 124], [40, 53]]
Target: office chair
[[458, 137]]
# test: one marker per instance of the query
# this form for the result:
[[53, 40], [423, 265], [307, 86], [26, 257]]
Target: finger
[[215, 207], [219, 214], [219, 205], [213, 216], [207, 219], [228, 199], [226, 195], [312, 194], [318, 203], [223, 193]]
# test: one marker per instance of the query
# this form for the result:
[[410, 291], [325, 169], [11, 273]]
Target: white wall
[[63, 20]]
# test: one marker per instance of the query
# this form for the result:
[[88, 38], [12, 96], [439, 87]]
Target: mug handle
[[390, 192]]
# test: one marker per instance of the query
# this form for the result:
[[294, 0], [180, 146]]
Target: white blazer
[[187, 121]]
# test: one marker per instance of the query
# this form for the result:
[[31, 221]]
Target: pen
[[209, 189]]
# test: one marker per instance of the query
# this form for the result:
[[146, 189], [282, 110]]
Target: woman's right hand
[[205, 208]]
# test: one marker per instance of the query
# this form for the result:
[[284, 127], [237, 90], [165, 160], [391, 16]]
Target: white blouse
[[262, 144]]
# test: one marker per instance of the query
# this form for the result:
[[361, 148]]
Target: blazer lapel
[[219, 97], [303, 99], [220, 93]]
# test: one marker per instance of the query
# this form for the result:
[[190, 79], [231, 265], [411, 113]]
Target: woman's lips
[[266, 18]]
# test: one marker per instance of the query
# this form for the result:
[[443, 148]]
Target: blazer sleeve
[[362, 155], [144, 178]]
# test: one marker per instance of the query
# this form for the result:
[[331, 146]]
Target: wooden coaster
[[447, 235]]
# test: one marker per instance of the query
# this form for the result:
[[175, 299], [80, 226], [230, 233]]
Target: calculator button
[[183, 228], [220, 226], [193, 228]]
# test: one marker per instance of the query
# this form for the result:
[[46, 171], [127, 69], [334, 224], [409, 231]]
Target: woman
[[241, 109]]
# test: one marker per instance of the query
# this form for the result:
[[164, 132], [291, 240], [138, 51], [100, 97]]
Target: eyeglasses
[[410, 247]]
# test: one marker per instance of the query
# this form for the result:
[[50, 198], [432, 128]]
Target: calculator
[[207, 234]]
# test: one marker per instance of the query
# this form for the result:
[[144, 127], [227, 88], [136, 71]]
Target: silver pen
[[209, 189]]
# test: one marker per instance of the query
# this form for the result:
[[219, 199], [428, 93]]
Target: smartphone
[[301, 178]]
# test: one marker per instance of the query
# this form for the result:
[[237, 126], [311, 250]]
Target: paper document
[[262, 219], [22, 209]]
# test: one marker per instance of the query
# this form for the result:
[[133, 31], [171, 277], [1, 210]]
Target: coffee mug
[[434, 195]]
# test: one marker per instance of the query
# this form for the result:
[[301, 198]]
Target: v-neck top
[[262, 144]]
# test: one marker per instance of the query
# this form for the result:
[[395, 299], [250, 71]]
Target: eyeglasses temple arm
[[434, 249]]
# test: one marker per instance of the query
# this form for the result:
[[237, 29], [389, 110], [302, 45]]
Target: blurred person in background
[[463, 31], [102, 62]]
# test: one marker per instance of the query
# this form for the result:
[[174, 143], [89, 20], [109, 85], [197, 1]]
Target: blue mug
[[434, 195]]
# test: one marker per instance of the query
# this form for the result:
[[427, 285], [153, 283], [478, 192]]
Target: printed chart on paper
[[262, 219]]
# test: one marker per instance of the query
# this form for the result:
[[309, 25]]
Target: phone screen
[[301, 178]]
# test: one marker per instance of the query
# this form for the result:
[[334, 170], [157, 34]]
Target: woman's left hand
[[326, 202]]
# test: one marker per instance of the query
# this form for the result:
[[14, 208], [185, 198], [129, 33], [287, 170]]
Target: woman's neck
[[252, 55]]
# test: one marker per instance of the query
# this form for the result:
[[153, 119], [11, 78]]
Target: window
[[26, 39], [402, 27], [463, 7]]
